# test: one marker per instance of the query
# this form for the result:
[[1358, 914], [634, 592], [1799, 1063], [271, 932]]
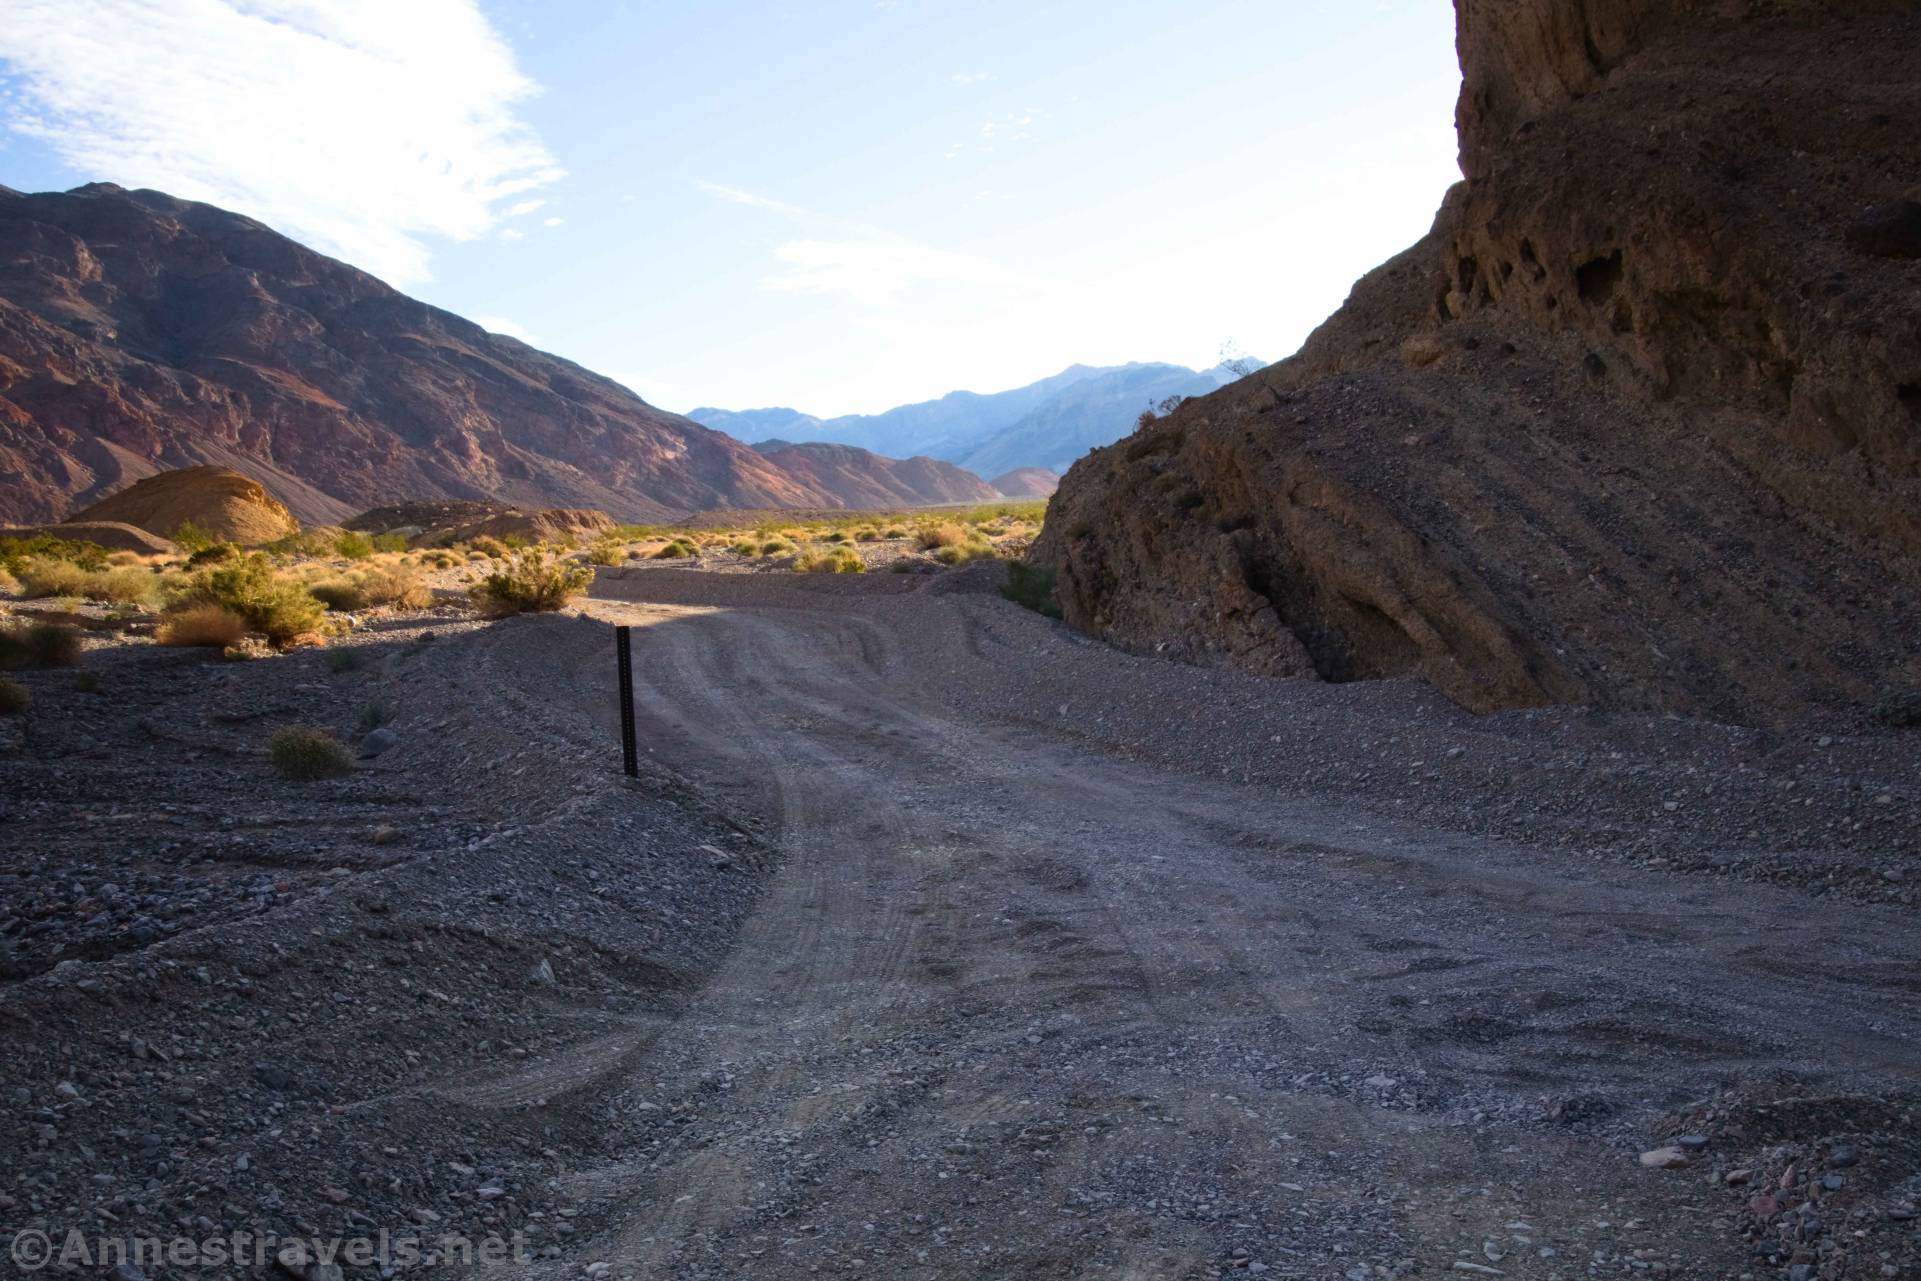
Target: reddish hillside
[[140, 333], [859, 478]]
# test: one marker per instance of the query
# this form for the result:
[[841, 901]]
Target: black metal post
[[624, 648]]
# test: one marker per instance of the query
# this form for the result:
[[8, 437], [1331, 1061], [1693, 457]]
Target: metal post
[[624, 648]]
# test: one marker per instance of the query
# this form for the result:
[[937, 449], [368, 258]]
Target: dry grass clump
[[341, 595], [604, 552], [43, 576], [836, 560], [9, 585], [39, 645], [774, 547], [531, 581], [677, 549], [745, 547], [202, 624], [14, 699], [894, 531], [396, 586], [305, 754], [121, 560], [929, 537], [123, 586], [969, 549], [490, 547]]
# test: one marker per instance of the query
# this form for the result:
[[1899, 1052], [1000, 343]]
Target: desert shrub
[[373, 714], [278, 609], [303, 753], [773, 547], [390, 542], [213, 555], [190, 538], [353, 546], [894, 531], [961, 553], [16, 552], [837, 560], [201, 624], [868, 535], [133, 586], [44, 576], [675, 550], [441, 559], [305, 542], [342, 595], [531, 581], [121, 560], [398, 586], [745, 547], [39, 645], [604, 552], [9, 585], [14, 699], [928, 537], [341, 660], [1899, 708], [1031, 587], [834, 536]]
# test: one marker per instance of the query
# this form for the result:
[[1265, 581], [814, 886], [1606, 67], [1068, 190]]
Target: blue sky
[[838, 206]]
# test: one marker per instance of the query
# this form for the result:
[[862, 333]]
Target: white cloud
[[970, 77], [875, 272], [510, 233], [734, 195], [520, 208], [364, 127], [552, 222], [502, 325]]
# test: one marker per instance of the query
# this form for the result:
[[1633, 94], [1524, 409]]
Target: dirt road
[[1054, 979]]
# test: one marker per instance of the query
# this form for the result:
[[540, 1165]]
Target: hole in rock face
[[1597, 278], [1909, 394]]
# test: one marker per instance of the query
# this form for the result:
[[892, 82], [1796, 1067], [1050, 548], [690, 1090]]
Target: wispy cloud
[[734, 195], [364, 127], [520, 208], [970, 77]]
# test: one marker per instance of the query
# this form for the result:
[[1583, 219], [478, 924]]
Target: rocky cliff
[[1637, 424], [139, 333]]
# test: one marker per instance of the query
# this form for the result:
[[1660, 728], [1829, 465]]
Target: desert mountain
[[1044, 424], [222, 503], [140, 333], [860, 478], [1026, 482], [1637, 424]]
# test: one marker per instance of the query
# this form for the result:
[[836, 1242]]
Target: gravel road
[[1026, 998]]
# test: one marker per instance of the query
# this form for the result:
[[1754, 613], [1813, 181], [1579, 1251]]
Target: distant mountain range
[[1044, 425]]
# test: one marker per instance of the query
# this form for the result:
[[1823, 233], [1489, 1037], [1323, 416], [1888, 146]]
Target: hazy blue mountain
[[1046, 424]]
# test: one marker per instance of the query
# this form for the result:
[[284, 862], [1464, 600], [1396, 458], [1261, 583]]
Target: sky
[[835, 205]]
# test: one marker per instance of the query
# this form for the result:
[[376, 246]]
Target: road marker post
[[624, 650]]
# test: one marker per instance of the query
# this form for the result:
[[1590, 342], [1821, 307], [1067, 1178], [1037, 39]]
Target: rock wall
[[1638, 423]]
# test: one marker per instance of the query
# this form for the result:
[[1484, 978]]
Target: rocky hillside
[[861, 478], [1637, 424], [1026, 482], [139, 332], [221, 503]]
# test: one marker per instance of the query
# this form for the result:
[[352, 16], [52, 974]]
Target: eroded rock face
[[220, 502], [140, 333], [1636, 424]]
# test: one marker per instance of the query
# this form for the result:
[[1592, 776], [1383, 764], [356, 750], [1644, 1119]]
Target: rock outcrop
[[220, 502], [1637, 424], [114, 536], [140, 333]]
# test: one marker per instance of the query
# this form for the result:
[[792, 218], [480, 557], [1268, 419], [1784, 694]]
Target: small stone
[[1762, 1205], [385, 834], [1844, 1155], [1692, 1142], [336, 1195], [542, 974], [1833, 1182], [1380, 1081], [378, 741], [1477, 1269], [1667, 1158], [67, 1091], [1737, 1177]]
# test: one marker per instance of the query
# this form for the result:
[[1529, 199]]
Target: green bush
[[43, 576], [279, 609], [39, 645], [353, 546], [1031, 587], [127, 586], [838, 560], [14, 699], [530, 582], [675, 550], [604, 552], [303, 753], [342, 595], [190, 538], [16, 552], [390, 542]]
